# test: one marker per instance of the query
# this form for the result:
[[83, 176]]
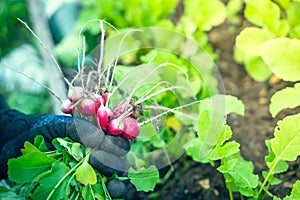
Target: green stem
[[107, 195], [67, 174], [266, 180], [63, 178], [77, 197], [92, 191], [69, 182], [230, 191]]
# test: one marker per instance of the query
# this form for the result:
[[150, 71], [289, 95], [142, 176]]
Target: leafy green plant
[[211, 144], [64, 173], [266, 48]]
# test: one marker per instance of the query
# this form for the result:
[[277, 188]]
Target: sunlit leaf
[[39, 142], [281, 166], [203, 12], [25, 168], [144, 179], [225, 150], [295, 194], [85, 174], [257, 69], [262, 12], [50, 179], [243, 176], [292, 12], [29, 148], [224, 104], [286, 141], [250, 39], [280, 56], [285, 98], [283, 3]]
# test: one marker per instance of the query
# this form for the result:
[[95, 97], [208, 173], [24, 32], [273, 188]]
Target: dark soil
[[250, 130]]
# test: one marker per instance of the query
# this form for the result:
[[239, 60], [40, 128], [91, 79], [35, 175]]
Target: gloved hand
[[17, 127]]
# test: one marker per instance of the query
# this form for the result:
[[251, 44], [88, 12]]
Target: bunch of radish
[[118, 121], [89, 101]]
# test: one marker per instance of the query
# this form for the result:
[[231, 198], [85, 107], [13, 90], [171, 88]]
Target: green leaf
[[39, 142], [76, 151], [98, 191], [262, 12], [25, 168], [203, 13], [233, 8], [228, 165], [272, 180], [250, 39], [144, 179], [85, 174], [29, 148], [285, 98], [292, 12], [281, 57], [194, 149], [225, 134], [53, 183], [72, 148], [87, 193], [212, 121], [257, 69], [281, 166], [227, 149], [224, 104], [210, 127], [242, 174], [286, 141], [283, 3], [295, 194]]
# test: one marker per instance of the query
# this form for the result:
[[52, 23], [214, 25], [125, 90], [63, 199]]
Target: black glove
[[17, 127]]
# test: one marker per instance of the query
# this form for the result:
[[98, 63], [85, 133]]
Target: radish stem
[[41, 84], [141, 100], [168, 110], [48, 51]]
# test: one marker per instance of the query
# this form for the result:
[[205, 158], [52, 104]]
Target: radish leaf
[[295, 194], [85, 174], [250, 40], [286, 98], [144, 179], [285, 144], [277, 55], [25, 168], [53, 183]]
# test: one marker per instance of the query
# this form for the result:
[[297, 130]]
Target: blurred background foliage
[[193, 18]]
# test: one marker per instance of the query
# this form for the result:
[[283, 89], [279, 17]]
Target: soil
[[250, 130]]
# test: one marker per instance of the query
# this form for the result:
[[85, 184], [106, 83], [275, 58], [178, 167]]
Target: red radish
[[75, 93], [97, 98], [131, 128], [66, 106], [115, 127], [118, 111], [105, 97], [87, 107], [134, 114], [102, 115], [110, 114]]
